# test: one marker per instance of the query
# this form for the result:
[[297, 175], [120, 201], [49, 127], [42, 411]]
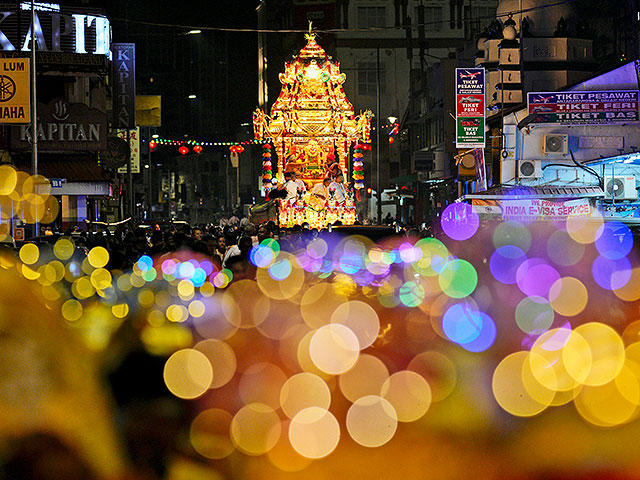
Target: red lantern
[[240, 149], [183, 150], [197, 149], [152, 145], [391, 140]]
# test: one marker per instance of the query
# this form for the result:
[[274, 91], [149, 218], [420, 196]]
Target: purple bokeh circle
[[505, 262], [459, 221], [611, 274], [535, 277]]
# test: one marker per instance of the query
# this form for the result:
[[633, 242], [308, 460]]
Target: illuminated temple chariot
[[312, 127]]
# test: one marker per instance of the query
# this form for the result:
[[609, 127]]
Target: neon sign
[[56, 30]]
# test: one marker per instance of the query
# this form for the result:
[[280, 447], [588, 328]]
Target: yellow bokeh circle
[[98, 257], [255, 429], [209, 434], [568, 296], [29, 253], [314, 432], [188, 373], [509, 389]]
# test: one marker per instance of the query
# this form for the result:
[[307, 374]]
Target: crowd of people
[[227, 242]]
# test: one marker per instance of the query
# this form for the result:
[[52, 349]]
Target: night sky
[[243, 79]]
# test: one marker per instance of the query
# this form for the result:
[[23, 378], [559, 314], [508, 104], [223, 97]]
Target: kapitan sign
[[124, 85], [57, 29], [64, 126], [584, 107], [470, 108]]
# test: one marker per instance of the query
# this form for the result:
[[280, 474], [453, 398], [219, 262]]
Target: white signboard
[[134, 145], [531, 209]]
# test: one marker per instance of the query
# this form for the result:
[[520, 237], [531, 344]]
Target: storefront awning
[[72, 168], [540, 192]]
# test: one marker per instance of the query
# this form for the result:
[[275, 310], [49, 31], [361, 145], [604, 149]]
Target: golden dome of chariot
[[312, 105]]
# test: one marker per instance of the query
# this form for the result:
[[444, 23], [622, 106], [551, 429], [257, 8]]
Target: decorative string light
[[170, 141]]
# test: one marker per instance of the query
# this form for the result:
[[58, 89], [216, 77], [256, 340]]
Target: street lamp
[[192, 96], [194, 32]]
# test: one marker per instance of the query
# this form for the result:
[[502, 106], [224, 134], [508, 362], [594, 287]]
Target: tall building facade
[[190, 70], [72, 77]]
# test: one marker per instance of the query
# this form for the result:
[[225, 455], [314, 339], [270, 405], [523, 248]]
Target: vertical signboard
[[14, 90], [124, 85], [470, 108], [134, 149]]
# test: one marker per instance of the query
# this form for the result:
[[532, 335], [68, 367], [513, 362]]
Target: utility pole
[[34, 116], [378, 191]]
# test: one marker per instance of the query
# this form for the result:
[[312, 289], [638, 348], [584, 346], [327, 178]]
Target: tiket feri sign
[[470, 108]]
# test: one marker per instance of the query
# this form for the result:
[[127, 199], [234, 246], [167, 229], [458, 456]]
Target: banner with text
[[15, 92], [584, 108], [533, 209], [124, 85], [470, 108], [134, 145]]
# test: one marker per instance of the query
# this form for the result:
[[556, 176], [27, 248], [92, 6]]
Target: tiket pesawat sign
[[124, 85], [64, 126], [470, 108], [584, 107], [57, 29]]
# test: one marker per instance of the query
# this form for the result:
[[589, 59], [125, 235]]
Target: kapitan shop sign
[[64, 126], [57, 29]]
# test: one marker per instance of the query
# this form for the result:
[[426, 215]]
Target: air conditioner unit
[[529, 169], [621, 188], [555, 144]]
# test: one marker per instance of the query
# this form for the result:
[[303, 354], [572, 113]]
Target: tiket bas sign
[[124, 85], [470, 108]]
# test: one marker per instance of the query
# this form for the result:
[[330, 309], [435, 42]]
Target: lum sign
[[15, 94], [57, 29]]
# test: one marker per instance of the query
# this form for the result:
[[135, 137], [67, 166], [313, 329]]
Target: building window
[[484, 16], [432, 18], [367, 81], [372, 17]]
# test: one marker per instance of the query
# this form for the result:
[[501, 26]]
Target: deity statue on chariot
[[313, 128]]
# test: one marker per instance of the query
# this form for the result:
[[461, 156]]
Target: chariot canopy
[[312, 123]]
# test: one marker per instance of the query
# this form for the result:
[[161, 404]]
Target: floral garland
[[358, 167], [267, 173]]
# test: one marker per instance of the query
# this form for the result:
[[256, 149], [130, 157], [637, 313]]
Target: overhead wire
[[331, 30]]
